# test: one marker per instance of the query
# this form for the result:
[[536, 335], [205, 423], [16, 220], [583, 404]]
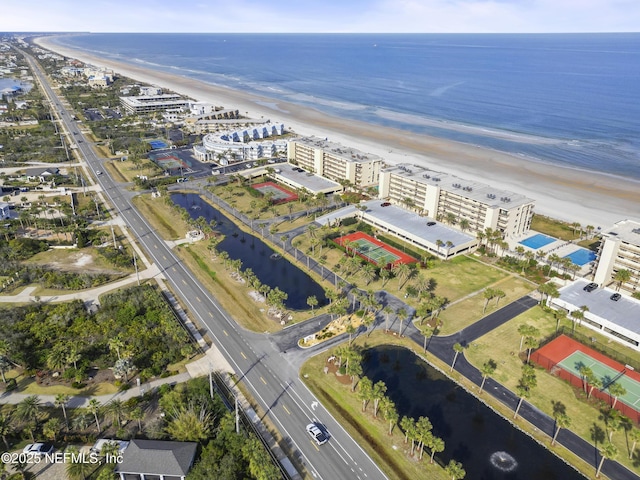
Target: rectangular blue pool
[[537, 241], [581, 256]]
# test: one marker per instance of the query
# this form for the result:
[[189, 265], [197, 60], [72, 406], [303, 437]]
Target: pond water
[[268, 265], [487, 445]]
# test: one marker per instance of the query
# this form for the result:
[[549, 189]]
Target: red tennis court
[[373, 250]]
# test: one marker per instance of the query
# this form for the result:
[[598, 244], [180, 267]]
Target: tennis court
[[607, 375], [169, 162], [564, 357], [373, 250], [278, 194]]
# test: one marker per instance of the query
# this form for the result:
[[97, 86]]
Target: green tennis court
[[376, 253], [607, 375]]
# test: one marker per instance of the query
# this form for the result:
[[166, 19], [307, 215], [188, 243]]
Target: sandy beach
[[565, 193]]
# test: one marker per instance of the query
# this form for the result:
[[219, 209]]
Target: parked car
[[38, 448], [430, 224], [385, 204], [316, 434], [615, 297], [590, 287]]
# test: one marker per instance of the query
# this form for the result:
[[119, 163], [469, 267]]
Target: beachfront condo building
[[141, 104], [469, 205], [240, 145], [620, 250], [334, 161]]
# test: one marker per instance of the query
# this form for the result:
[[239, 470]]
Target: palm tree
[[402, 316], [427, 331], [436, 445], [387, 310], [525, 386], [530, 343], [562, 421], [4, 366], [78, 467], [457, 348], [488, 294], [634, 436], [365, 391], [385, 274], [6, 428], [116, 344], [137, 414], [407, 424], [61, 401], [454, 470], [28, 410], [312, 301], [403, 272], [51, 428], [95, 408], [607, 451], [487, 369], [390, 412], [377, 393], [616, 390], [621, 276], [116, 409]]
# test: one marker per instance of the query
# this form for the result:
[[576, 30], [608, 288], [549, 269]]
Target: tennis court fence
[[592, 343], [579, 383]]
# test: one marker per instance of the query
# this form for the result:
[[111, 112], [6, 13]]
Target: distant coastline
[[567, 193]]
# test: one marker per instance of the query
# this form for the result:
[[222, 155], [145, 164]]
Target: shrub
[[11, 385]]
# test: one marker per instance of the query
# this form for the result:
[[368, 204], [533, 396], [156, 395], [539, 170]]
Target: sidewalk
[[212, 360], [93, 294]]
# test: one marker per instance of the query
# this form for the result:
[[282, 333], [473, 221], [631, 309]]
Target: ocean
[[565, 99]]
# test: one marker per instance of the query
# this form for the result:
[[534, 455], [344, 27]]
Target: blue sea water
[[566, 99]]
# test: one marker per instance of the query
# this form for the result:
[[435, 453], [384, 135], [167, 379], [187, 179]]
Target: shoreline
[[564, 193]]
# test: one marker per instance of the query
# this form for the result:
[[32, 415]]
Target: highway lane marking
[[184, 281], [198, 298], [174, 269], [263, 380], [224, 331], [243, 355], [286, 409], [316, 446]]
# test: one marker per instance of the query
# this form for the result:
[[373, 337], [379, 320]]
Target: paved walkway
[[89, 295]]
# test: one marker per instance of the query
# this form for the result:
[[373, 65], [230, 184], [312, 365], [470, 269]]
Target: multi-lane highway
[[269, 374]]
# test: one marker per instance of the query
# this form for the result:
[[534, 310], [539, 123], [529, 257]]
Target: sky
[[338, 16]]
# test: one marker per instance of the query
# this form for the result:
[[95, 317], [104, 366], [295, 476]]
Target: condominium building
[[141, 104], [471, 205], [334, 161], [240, 145], [620, 250]]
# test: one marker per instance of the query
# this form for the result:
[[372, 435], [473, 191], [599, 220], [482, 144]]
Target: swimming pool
[[537, 241], [581, 256]]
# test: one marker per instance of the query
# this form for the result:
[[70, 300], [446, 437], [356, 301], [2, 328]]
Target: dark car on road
[[615, 297], [590, 287]]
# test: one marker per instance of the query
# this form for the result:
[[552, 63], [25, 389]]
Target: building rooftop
[[153, 457], [313, 183], [624, 313], [472, 189], [626, 230], [416, 224], [348, 153]]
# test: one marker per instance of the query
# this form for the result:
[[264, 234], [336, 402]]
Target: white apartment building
[[620, 250], [141, 104], [334, 161], [239, 145], [441, 196]]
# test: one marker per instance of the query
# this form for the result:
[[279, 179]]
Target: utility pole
[[113, 234], [237, 418], [135, 264]]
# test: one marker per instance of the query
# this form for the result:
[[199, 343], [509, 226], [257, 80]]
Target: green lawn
[[462, 314]]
